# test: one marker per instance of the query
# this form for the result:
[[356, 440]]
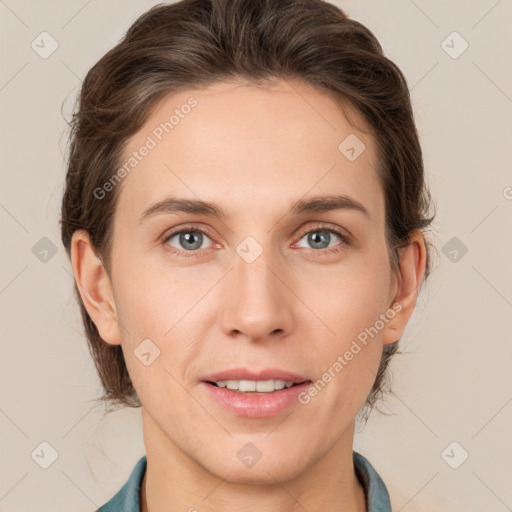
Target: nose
[[260, 304]]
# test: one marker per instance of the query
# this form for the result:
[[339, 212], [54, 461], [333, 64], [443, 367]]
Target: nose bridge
[[260, 303]]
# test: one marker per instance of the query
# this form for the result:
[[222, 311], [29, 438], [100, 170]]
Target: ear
[[406, 285], [95, 287]]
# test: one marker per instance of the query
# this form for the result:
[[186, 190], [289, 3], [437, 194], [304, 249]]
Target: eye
[[322, 238], [187, 240]]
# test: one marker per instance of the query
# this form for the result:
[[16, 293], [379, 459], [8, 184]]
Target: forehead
[[234, 143]]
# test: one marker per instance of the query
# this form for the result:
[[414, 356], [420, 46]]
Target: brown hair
[[194, 43]]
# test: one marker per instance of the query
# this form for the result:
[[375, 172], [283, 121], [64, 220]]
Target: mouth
[[260, 394], [253, 387], [242, 378]]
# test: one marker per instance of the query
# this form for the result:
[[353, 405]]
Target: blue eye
[[322, 238], [188, 240]]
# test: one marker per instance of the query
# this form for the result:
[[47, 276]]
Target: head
[[257, 108]]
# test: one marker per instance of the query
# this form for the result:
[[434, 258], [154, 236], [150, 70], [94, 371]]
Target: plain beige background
[[453, 385]]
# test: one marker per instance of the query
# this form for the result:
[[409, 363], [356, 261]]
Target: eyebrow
[[319, 204]]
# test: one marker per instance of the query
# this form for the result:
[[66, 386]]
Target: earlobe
[[95, 287], [409, 277]]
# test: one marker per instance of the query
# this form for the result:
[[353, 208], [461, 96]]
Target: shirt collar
[[377, 497]]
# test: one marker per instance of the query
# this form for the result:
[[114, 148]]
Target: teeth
[[261, 386]]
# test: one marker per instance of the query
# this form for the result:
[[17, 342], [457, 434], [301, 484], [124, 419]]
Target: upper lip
[[261, 374]]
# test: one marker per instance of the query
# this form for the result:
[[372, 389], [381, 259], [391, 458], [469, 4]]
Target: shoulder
[[127, 498], [377, 497]]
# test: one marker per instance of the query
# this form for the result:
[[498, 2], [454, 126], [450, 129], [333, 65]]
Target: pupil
[[188, 238], [316, 238]]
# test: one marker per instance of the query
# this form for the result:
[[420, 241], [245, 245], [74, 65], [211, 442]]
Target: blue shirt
[[377, 498]]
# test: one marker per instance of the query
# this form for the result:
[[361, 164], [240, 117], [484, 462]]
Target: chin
[[268, 471], [261, 474]]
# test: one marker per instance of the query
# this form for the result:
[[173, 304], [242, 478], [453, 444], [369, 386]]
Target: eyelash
[[345, 239]]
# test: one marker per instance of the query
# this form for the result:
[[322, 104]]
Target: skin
[[254, 151]]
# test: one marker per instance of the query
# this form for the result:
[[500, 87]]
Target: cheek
[[151, 299], [347, 363], [352, 305], [163, 306], [352, 299]]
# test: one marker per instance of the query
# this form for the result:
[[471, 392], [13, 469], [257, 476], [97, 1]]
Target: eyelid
[[344, 234], [187, 227]]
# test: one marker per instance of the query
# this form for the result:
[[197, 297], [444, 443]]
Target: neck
[[174, 481]]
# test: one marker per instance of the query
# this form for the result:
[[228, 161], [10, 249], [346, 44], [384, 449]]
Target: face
[[271, 286]]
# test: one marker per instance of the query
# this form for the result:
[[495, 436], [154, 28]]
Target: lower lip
[[264, 405]]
